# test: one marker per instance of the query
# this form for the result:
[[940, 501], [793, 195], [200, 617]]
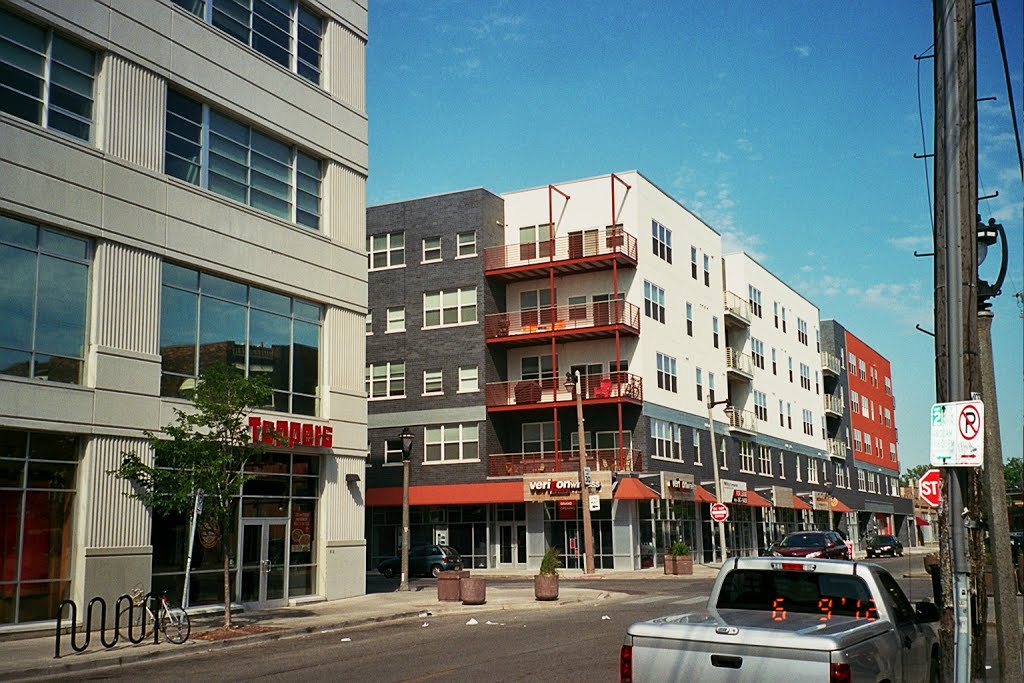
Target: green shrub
[[679, 548], [551, 563]]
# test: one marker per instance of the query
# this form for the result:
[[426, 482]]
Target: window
[[761, 405], [535, 241], [696, 447], [782, 416], [281, 30], [45, 78], [764, 461], [840, 474], [817, 340], [431, 249], [776, 314], [465, 244], [689, 319], [888, 418], [746, 456], [775, 365], [369, 323], [661, 238], [892, 452], [469, 379], [654, 302], [808, 423], [386, 250], [707, 270], [667, 438], [432, 382], [44, 300], [801, 331], [805, 376], [789, 360], [857, 443], [796, 468], [385, 380], [860, 368], [448, 443], [666, 372], [700, 385], [693, 262], [861, 480], [789, 415], [754, 299], [536, 367], [205, 319], [873, 375], [396, 319], [888, 387], [854, 401], [39, 475], [865, 407], [392, 451], [714, 331], [812, 471], [817, 382], [782, 465], [535, 308], [723, 464], [711, 387], [208, 149], [757, 352], [783, 318], [449, 307]]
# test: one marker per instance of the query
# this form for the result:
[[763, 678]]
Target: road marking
[[650, 599], [691, 601]]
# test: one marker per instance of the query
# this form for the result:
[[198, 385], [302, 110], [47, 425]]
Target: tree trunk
[[227, 590]]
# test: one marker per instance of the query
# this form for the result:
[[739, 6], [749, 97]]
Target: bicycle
[[172, 621]]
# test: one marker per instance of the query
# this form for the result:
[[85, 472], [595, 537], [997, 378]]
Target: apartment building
[[181, 183]]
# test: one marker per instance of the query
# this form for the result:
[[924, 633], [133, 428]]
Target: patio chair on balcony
[[603, 389], [528, 391]]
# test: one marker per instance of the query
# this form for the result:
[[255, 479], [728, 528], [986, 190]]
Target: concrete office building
[[180, 184]]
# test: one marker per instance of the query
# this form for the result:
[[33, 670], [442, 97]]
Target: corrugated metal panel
[[347, 342], [128, 296], [346, 54], [114, 519], [346, 206], [135, 113]]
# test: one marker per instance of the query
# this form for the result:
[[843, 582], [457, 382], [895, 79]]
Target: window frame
[[398, 378], [461, 441], [463, 380], [424, 257], [460, 244], [460, 307]]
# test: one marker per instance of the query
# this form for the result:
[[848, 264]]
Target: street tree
[[205, 448], [1013, 470], [911, 475]]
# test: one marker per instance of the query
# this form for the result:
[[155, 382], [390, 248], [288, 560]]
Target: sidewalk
[[28, 657]]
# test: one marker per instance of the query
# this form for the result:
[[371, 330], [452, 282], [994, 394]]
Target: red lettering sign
[[286, 434]]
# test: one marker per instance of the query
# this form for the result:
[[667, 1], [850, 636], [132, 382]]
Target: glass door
[[264, 566], [511, 544]]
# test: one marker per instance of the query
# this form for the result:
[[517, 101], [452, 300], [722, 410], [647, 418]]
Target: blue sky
[[789, 127]]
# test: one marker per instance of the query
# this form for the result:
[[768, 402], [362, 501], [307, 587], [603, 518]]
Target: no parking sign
[[958, 434]]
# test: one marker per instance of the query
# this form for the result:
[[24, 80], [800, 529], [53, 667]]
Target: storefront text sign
[[286, 434], [820, 500], [734, 491], [782, 496], [677, 486], [538, 487]]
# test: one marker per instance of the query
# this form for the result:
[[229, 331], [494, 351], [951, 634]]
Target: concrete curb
[[65, 666]]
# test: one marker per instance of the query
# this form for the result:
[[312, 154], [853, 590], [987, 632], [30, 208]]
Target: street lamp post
[[830, 486], [718, 479], [572, 384], [406, 436]]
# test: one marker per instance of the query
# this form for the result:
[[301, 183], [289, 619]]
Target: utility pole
[[588, 529], [718, 479], [957, 375]]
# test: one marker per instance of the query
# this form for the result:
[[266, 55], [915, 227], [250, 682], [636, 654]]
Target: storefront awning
[[921, 521], [630, 488], [840, 506], [756, 500], [800, 504], [448, 494], [702, 495]]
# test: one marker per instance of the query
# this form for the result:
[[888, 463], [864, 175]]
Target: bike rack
[[73, 631]]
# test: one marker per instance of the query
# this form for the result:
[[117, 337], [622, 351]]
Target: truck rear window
[[785, 592]]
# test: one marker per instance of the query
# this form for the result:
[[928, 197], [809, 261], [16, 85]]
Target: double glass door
[[264, 565], [511, 545]]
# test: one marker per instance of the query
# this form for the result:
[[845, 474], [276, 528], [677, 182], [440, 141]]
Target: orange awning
[[631, 488], [448, 494], [756, 500], [702, 495], [840, 506], [799, 504]]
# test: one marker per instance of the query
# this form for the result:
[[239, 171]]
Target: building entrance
[[263, 571], [511, 544]]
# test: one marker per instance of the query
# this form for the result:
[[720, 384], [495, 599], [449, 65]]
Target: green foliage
[[679, 548], [911, 476], [205, 448], [1013, 470], [551, 562]]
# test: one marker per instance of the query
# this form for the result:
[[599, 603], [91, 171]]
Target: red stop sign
[[719, 512], [930, 486]]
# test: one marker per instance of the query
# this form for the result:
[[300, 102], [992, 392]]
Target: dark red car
[[810, 544]]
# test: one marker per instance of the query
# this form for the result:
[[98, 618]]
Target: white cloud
[[802, 51], [909, 242]]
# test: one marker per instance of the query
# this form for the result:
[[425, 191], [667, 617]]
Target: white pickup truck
[[790, 619]]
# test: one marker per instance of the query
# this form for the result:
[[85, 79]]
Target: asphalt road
[[580, 642]]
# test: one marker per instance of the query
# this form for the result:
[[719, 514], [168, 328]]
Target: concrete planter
[[474, 591], [449, 587], [545, 587], [678, 565]]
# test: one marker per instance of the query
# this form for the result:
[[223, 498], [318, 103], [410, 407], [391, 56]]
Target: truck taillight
[[626, 664], [840, 674]]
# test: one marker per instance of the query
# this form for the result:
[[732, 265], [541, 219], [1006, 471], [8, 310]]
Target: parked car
[[827, 544], [424, 560], [878, 546]]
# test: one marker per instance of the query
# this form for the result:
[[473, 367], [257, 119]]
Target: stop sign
[[930, 486], [719, 512]]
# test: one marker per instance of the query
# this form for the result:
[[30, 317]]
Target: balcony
[[834, 405], [737, 311], [598, 389], [830, 365], [578, 252], [741, 421], [601, 460], [568, 323], [835, 448], [738, 365]]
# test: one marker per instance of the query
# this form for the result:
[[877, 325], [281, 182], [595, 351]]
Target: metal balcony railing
[[609, 386], [737, 307], [743, 420], [558, 318], [829, 363], [601, 459], [835, 448], [586, 244], [739, 362], [834, 404]]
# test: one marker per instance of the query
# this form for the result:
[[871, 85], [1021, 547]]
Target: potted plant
[[545, 584], [678, 560]]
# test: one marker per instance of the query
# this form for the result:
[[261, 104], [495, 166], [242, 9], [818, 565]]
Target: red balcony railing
[[610, 387], [602, 459], [594, 319], [588, 246]]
